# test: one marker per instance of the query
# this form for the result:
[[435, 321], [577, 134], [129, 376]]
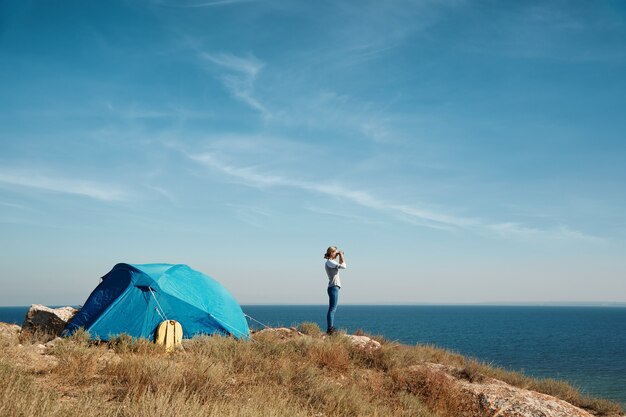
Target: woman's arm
[[342, 261]]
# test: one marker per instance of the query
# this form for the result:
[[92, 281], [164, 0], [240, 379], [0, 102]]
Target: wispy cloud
[[335, 112], [96, 191], [348, 216], [253, 177], [367, 30], [217, 3], [200, 4], [294, 102], [164, 193], [135, 111], [241, 77], [254, 216], [12, 205], [516, 230], [441, 220], [546, 31]]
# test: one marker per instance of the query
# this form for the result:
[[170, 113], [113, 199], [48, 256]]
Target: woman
[[334, 283]]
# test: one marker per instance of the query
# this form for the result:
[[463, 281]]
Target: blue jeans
[[333, 298]]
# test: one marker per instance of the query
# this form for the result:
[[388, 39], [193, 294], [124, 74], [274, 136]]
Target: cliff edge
[[280, 371]]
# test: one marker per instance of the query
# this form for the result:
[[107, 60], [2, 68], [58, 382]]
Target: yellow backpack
[[169, 334]]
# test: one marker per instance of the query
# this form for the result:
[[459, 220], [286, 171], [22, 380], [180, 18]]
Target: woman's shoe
[[331, 330]]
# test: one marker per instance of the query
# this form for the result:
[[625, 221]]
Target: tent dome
[[134, 299]]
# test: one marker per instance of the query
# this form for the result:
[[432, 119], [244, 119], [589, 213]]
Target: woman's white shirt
[[332, 270], [331, 263]]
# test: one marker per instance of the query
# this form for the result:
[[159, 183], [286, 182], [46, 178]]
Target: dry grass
[[437, 390], [310, 328], [20, 396], [268, 376], [35, 337]]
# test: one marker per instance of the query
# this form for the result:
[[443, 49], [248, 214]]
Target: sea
[[585, 346]]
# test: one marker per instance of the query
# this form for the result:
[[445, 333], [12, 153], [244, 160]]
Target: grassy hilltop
[[273, 374]]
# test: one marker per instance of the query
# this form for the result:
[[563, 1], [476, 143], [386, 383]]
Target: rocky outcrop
[[283, 333], [47, 320], [492, 397], [476, 394], [363, 342], [286, 333], [501, 399], [446, 389]]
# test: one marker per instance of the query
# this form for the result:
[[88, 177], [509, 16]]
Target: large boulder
[[47, 320]]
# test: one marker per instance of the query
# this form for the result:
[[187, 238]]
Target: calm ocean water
[[583, 345]]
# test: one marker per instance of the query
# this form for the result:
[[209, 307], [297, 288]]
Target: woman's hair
[[330, 250]]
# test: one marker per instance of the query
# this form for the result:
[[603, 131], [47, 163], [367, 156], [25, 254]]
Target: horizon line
[[408, 304]]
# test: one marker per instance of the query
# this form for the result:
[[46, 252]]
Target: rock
[[363, 342], [109, 357], [286, 333], [53, 342], [281, 332], [47, 320], [497, 398]]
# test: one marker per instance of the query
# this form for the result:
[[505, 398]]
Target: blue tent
[[134, 299]]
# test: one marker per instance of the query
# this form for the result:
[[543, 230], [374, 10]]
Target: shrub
[[439, 393], [565, 391], [122, 343], [77, 362], [331, 356], [310, 328], [359, 332], [36, 337], [471, 372]]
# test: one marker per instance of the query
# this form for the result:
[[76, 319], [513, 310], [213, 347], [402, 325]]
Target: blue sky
[[459, 152]]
